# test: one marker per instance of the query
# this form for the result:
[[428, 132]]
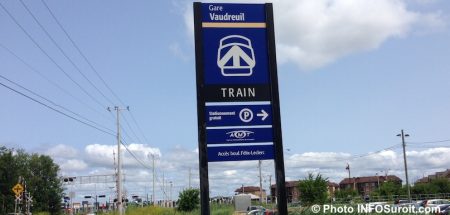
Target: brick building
[[365, 185], [429, 178], [293, 193]]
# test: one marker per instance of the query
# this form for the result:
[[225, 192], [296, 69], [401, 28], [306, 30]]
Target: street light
[[378, 180], [170, 196], [153, 156], [403, 135]]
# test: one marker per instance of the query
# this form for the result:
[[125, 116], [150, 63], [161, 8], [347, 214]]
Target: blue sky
[[351, 75]]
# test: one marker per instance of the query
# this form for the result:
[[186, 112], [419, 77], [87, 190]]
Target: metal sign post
[[237, 90]]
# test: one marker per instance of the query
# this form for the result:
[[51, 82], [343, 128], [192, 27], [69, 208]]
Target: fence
[[415, 197]]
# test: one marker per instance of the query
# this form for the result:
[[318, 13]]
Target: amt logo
[[236, 56], [240, 134]]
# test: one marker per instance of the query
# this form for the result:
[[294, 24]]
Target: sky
[[352, 74]]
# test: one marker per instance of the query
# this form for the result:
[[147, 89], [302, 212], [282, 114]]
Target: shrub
[[189, 200]]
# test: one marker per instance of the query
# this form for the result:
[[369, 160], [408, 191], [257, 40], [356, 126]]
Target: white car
[[436, 202], [256, 212]]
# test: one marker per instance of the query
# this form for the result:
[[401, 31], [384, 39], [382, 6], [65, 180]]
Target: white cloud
[[73, 165], [314, 33], [333, 165], [230, 172], [225, 177], [434, 157], [178, 52], [102, 155], [61, 150]]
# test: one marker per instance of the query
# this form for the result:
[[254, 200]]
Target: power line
[[139, 127], [141, 163], [81, 53], [63, 52], [48, 56], [54, 104], [428, 146], [123, 129], [427, 142], [376, 152], [56, 110], [96, 72], [49, 80], [133, 155], [131, 129]]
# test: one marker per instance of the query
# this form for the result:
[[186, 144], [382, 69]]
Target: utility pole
[[117, 178], [189, 177], [170, 194], [270, 188], [378, 180], [153, 185], [119, 160], [403, 135], [260, 182], [164, 192], [349, 178]]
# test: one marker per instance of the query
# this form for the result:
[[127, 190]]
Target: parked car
[[445, 210], [436, 202], [256, 212], [421, 203], [255, 207], [406, 203]]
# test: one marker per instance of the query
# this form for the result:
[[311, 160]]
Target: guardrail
[[415, 197]]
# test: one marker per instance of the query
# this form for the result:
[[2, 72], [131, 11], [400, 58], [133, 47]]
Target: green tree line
[[392, 190], [313, 190], [40, 174]]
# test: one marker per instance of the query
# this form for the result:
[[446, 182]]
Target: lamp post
[[170, 194], [153, 156], [403, 135], [378, 180]]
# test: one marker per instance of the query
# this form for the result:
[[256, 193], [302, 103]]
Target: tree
[[40, 174], [313, 190], [345, 194], [424, 189], [440, 185], [189, 199], [43, 180], [8, 178], [389, 189]]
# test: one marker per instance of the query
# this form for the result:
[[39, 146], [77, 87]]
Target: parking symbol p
[[246, 115]]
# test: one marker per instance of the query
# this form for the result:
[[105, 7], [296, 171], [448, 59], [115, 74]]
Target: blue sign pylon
[[235, 58], [237, 90]]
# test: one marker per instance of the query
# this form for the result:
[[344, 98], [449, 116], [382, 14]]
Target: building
[[332, 187], [293, 193], [254, 191], [437, 175], [365, 185]]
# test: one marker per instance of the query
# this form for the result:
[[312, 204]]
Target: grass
[[215, 210], [42, 213]]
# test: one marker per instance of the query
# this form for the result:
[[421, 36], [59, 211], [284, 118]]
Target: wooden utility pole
[[119, 161]]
